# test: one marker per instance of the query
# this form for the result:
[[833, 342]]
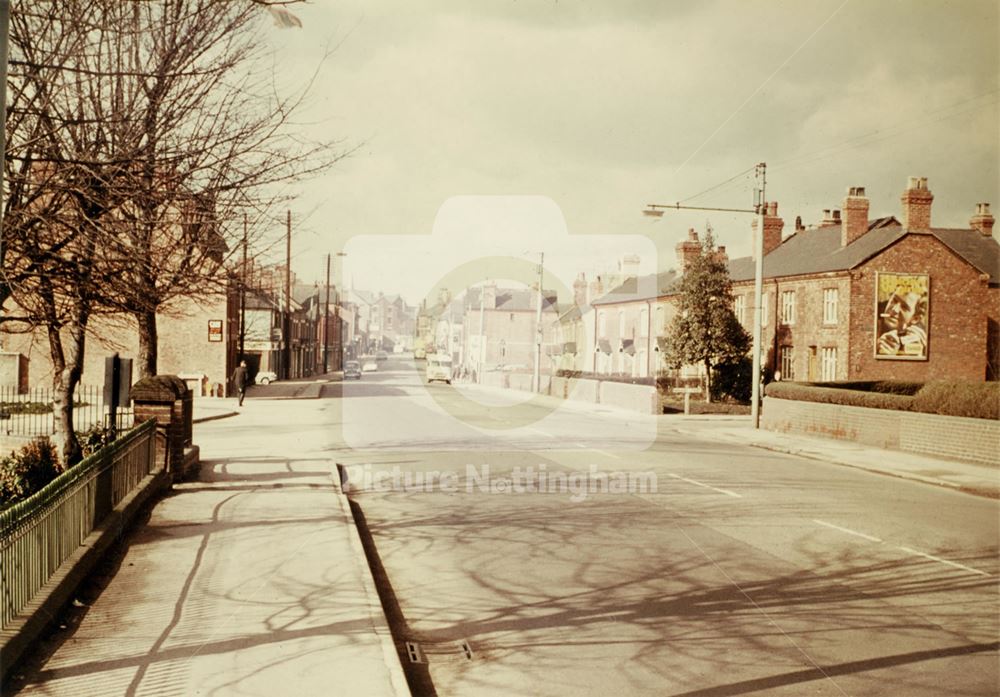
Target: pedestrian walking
[[240, 378]]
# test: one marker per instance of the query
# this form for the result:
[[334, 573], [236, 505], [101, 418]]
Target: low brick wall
[[641, 398], [584, 390], [973, 440]]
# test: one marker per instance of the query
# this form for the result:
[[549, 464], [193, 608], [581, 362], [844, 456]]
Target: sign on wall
[[215, 330], [902, 312]]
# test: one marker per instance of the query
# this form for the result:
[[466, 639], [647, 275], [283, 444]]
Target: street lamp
[[656, 210]]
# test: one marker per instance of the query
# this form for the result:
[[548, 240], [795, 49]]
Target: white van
[[438, 367]]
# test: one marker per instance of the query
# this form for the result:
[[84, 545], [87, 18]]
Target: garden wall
[[973, 440]]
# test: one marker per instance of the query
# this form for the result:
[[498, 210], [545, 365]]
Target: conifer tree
[[705, 329]]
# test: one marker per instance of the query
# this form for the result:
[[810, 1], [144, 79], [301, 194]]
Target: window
[[828, 363], [602, 325], [829, 306], [644, 322], [642, 363], [788, 307], [621, 324], [763, 309], [787, 363], [740, 308], [660, 320]]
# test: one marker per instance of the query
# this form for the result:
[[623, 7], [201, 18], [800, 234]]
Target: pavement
[[972, 478], [251, 580]]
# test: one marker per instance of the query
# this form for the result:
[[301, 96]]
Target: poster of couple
[[902, 306]]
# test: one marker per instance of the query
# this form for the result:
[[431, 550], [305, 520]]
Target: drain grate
[[439, 651], [413, 652]]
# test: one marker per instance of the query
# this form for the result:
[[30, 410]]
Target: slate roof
[[514, 300], [818, 250], [641, 288]]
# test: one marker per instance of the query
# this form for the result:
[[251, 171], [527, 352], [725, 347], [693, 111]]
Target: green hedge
[[979, 400]]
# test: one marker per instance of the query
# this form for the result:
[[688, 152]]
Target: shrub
[[835, 395], [979, 400], [733, 381], [93, 439], [881, 386], [25, 472]]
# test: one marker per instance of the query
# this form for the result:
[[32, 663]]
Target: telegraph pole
[[758, 291], [536, 381], [656, 210], [286, 325], [243, 294], [326, 319]]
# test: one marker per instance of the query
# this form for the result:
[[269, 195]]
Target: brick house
[[198, 341], [629, 323], [827, 289], [509, 318]]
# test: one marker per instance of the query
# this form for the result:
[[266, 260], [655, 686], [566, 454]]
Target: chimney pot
[[983, 220], [855, 220], [916, 202]]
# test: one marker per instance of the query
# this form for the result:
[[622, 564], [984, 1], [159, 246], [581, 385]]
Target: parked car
[[352, 369], [266, 377], [381, 356], [369, 365]]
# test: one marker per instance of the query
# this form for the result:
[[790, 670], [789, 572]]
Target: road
[[741, 572]]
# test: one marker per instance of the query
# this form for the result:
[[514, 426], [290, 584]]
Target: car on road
[[369, 365], [352, 369], [381, 356], [266, 377], [438, 367]]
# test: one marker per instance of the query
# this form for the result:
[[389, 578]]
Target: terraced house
[[857, 298]]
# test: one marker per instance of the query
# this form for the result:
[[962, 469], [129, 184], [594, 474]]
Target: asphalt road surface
[[537, 549]]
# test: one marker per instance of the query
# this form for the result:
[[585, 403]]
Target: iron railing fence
[[41, 532], [31, 413]]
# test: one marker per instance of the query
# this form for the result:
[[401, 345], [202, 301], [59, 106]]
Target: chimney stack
[[855, 222], [916, 202], [490, 296], [580, 290], [688, 250], [982, 220], [773, 226]]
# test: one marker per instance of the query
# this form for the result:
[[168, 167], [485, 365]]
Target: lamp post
[[656, 210]]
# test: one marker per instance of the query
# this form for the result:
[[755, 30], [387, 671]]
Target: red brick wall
[[958, 314], [183, 344], [809, 334]]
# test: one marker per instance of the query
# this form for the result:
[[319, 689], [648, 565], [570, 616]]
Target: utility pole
[[481, 353], [243, 294], [286, 325], [536, 382], [326, 319], [656, 210], [4, 43], [758, 291]]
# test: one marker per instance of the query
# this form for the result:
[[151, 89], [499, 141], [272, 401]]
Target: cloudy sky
[[602, 106]]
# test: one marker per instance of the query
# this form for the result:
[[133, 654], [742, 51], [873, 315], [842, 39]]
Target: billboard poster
[[902, 312], [215, 330]]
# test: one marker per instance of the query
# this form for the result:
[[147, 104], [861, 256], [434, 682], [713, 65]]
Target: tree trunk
[[67, 361], [145, 321], [708, 381]]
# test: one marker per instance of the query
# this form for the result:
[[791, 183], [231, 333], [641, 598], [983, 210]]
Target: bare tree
[[137, 131]]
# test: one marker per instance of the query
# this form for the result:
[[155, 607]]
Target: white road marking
[[605, 452], [908, 550], [943, 561], [538, 431], [707, 486], [847, 530]]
